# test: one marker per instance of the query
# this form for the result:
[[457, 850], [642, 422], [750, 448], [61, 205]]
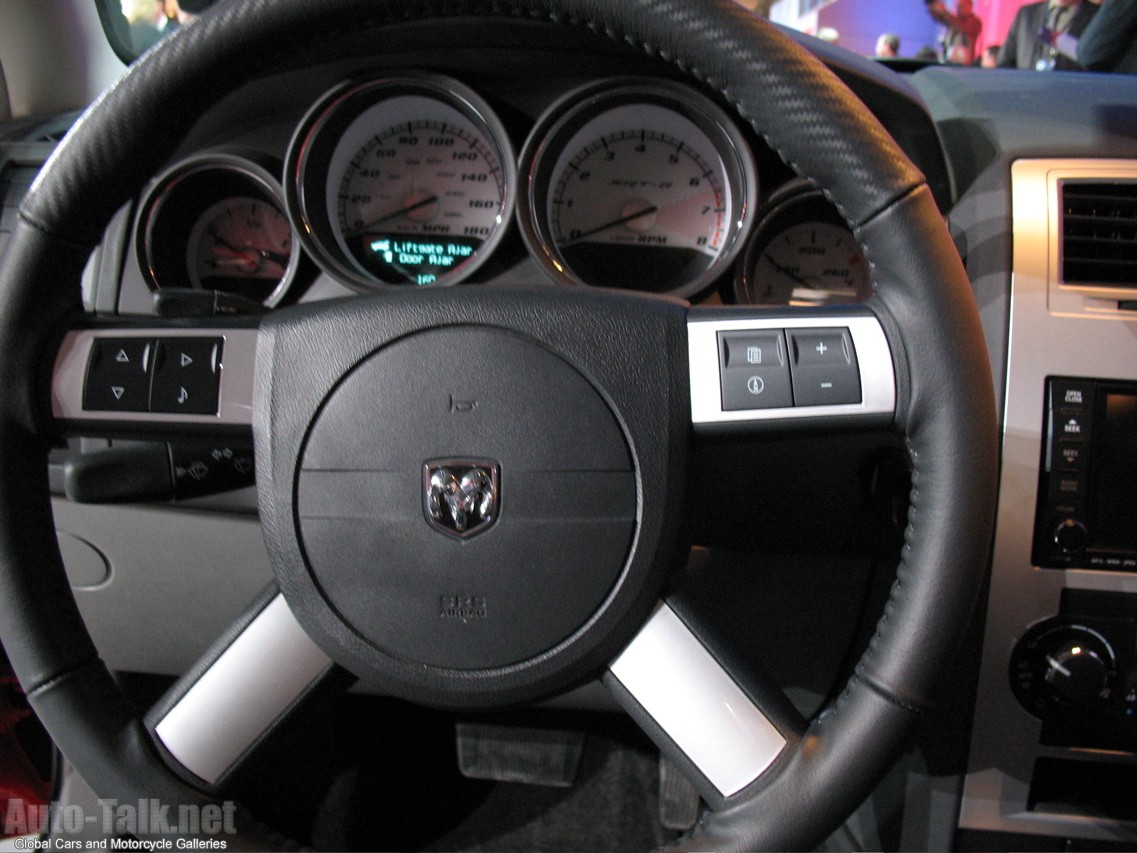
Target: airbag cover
[[553, 551]]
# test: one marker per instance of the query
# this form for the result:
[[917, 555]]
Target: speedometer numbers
[[402, 181], [643, 185]]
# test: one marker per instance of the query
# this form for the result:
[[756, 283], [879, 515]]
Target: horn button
[[465, 499]]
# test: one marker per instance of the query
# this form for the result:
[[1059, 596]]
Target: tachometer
[[637, 184], [406, 180]]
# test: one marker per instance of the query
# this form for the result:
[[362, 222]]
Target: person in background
[[962, 34], [1031, 40], [184, 11], [888, 46], [147, 20], [990, 57], [1109, 41]]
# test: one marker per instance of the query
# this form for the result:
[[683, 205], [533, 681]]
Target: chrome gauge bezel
[[592, 108], [795, 204], [171, 211], [331, 140]]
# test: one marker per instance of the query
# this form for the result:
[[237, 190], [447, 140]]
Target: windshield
[[1051, 35]]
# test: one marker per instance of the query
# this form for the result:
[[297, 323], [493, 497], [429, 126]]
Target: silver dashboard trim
[[874, 360], [1046, 339], [247, 689], [235, 401], [695, 701]]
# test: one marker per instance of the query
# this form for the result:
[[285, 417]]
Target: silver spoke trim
[[696, 703], [874, 360], [255, 681], [235, 400]]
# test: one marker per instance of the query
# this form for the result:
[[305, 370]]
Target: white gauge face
[[643, 186], [414, 199], [403, 181], [640, 175], [810, 263]]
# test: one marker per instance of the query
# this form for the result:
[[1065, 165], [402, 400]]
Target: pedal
[[512, 754], [678, 799]]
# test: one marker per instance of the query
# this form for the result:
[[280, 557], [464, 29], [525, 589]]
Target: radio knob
[[1071, 536], [1076, 674]]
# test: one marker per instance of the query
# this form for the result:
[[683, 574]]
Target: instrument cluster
[[414, 180]]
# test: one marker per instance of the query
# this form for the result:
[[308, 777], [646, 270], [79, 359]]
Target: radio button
[[1072, 397], [1070, 427], [1068, 456]]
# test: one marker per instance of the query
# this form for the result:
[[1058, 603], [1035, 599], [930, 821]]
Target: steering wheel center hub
[[448, 509]]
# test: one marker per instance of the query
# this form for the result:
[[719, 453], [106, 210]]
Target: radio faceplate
[[1086, 516]]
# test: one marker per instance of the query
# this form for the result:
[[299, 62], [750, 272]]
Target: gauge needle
[[400, 212], [278, 258], [634, 215], [256, 257], [786, 271], [252, 256]]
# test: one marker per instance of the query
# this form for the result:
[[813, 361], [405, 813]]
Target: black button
[[1068, 456], [1071, 397], [187, 376], [754, 371], [1068, 492], [824, 367], [828, 346], [1069, 427], [118, 375]]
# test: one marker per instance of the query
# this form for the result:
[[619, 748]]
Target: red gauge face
[[240, 244]]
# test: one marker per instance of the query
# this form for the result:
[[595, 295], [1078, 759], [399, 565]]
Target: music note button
[[187, 376]]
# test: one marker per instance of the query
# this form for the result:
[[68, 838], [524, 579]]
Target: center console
[[1054, 739]]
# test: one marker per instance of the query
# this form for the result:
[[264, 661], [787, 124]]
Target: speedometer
[[638, 184], [402, 181]]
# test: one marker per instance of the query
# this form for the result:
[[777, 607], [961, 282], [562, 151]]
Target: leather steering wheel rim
[[945, 402]]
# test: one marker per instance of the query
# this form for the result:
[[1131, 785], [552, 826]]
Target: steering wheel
[[482, 556]]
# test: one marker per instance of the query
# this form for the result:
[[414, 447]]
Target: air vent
[[1099, 234]]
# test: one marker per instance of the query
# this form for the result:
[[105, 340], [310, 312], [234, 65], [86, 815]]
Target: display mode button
[[754, 370]]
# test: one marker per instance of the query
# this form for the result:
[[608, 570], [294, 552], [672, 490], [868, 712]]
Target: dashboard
[[441, 172]]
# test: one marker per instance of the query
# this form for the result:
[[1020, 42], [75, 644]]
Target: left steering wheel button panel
[[170, 375], [118, 375]]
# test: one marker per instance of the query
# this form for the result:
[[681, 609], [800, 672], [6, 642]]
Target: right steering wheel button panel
[[761, 370]]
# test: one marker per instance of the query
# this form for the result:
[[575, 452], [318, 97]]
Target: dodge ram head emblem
[[460, 497]]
